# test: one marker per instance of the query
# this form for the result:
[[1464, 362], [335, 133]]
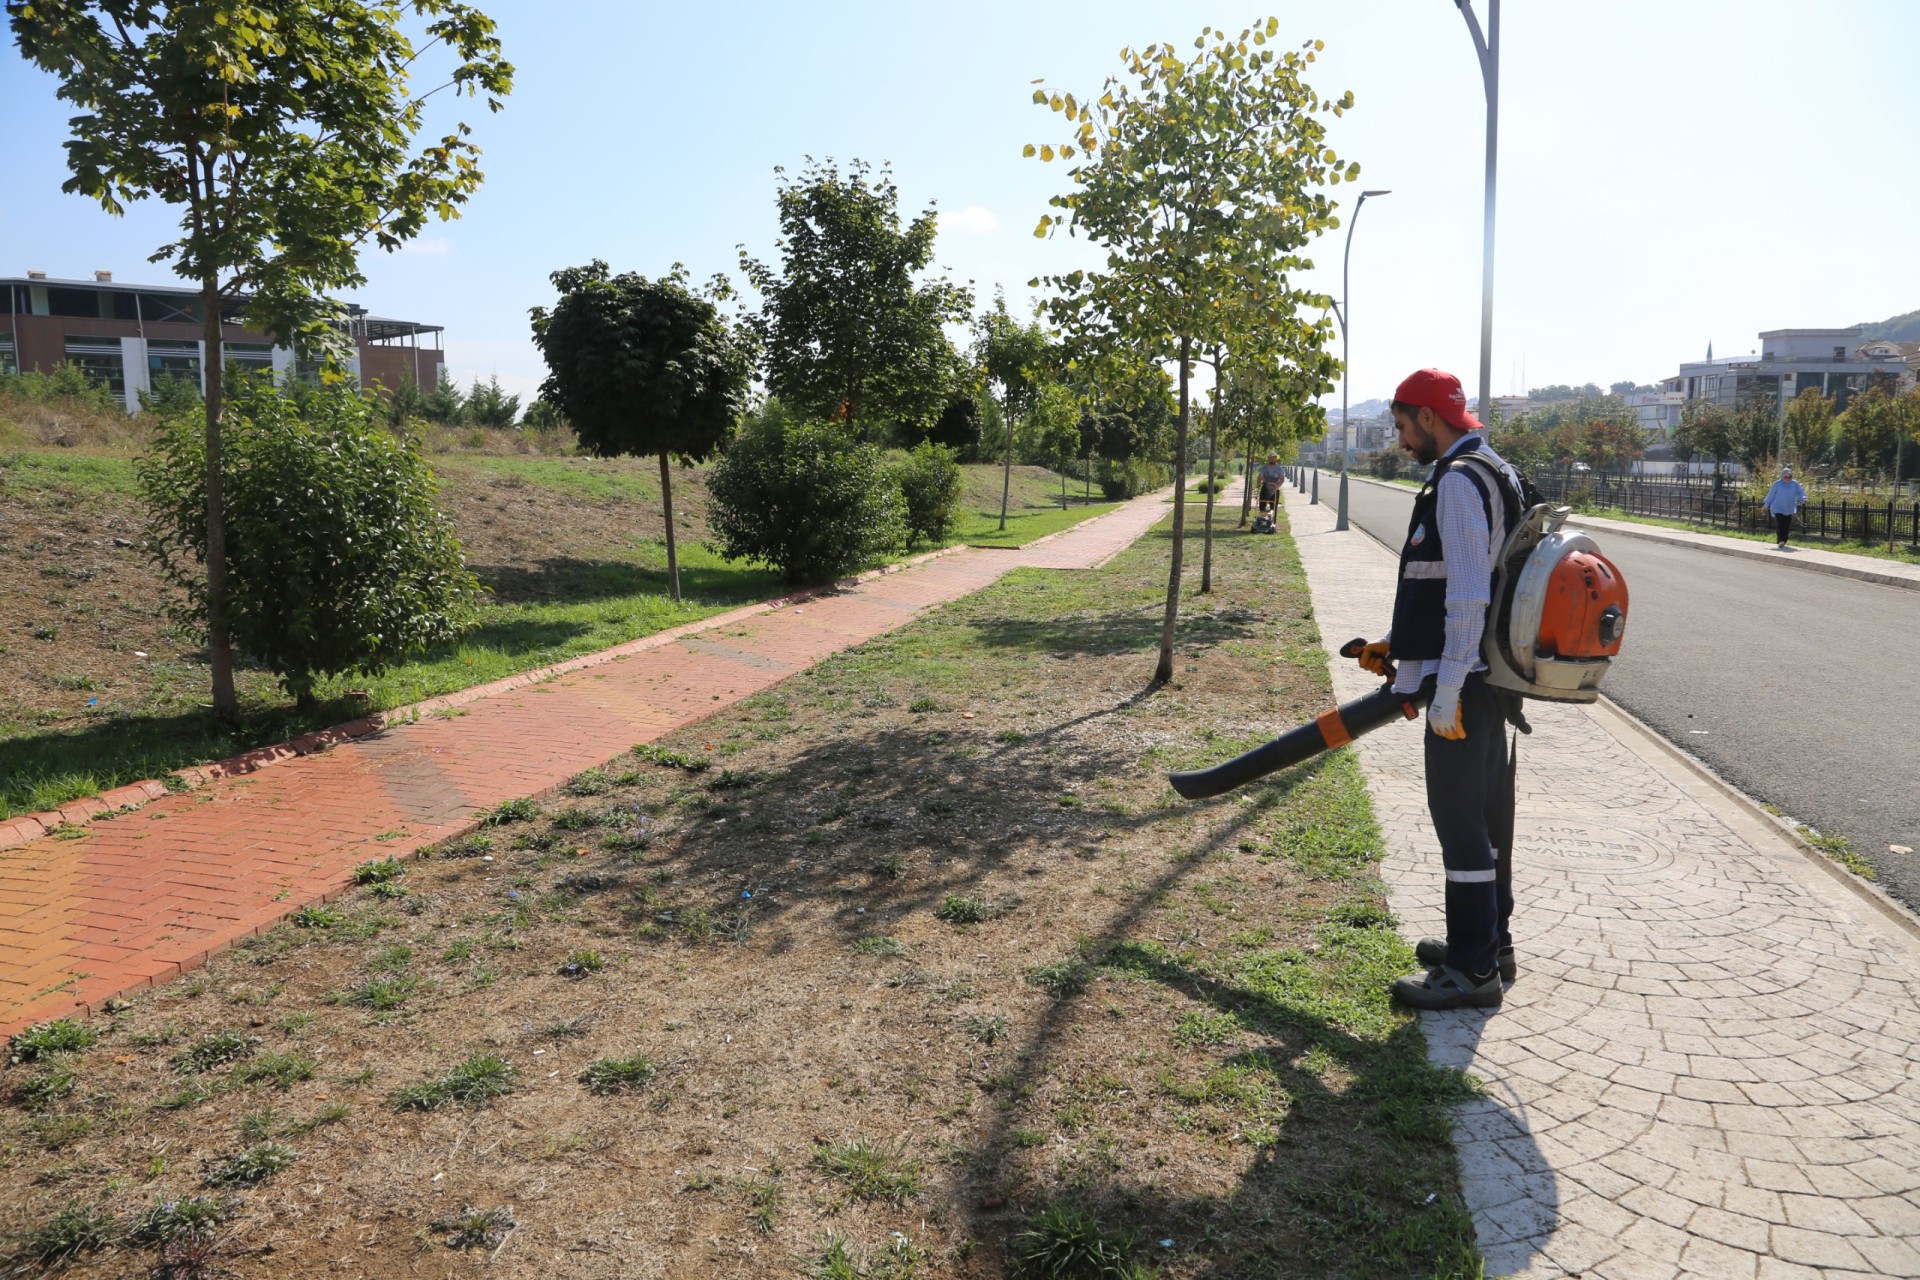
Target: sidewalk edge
[[1872, 894], [1721, 547]]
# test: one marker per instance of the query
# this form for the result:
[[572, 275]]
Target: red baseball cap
[[1440, 392]]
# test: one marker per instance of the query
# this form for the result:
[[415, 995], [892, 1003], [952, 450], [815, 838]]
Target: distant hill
[[1904, 328]]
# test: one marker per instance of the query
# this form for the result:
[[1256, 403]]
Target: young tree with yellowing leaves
[[1202, 178]]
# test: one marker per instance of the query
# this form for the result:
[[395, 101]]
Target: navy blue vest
[[1420, 602]]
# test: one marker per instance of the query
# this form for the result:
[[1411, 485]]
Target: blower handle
[[1353, 649]]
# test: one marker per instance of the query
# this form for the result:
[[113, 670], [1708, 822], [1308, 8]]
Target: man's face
[[1418, 440]]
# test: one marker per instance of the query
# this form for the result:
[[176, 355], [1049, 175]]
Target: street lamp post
[[1488, 47], [1341, 310]]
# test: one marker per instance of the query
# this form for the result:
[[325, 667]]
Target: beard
[[1424, 447]]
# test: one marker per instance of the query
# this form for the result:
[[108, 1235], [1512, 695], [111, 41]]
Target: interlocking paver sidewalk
[[1710, 1064], [146, 895]]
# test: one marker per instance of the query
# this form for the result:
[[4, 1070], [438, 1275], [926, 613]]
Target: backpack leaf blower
[[1560, 612]]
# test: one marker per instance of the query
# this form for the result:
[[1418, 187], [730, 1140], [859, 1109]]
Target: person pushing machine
[[1461, 519], [1271, 477]]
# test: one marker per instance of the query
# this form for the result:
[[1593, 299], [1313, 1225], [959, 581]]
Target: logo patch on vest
[[1419, 536]]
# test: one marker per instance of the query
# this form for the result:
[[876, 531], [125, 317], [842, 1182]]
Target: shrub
[[929, 479], [1129, 478], [337, 558], [806, 498]]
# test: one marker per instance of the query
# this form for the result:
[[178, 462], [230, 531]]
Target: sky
[[1671, 173]]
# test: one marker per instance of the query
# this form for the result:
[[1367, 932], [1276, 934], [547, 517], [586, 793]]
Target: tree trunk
[[1086, 475], [1006, 474], [1213, 486], [1063, 485], [1246, 487], [1163, 673], [666, 497], [226, 706]]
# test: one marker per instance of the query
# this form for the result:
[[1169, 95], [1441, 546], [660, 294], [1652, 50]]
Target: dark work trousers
[[1470, 795], [1782, 526]]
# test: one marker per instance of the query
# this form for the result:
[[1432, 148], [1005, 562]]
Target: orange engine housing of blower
[[1584, 614]]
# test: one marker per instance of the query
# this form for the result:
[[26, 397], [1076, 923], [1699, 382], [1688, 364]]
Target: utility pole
[[1341, 310], [1488, 47]]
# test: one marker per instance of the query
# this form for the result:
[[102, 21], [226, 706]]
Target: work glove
[[1373, 658], [1444, 716]]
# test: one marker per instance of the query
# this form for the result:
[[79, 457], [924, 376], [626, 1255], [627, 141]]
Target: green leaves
[[849, 329], [338, 558]]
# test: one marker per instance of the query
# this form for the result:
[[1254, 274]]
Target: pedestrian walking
[[1782, 501], [1461, 517]]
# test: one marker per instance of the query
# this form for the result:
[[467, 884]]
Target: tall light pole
[[1488, 47], [1341, 310]]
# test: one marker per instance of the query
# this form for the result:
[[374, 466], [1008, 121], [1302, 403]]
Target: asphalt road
[[1802, 689]]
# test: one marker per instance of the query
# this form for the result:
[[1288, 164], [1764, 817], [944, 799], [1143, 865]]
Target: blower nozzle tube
[[1330, 729]]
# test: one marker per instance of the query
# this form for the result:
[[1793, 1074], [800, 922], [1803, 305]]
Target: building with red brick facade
[[127, 336]]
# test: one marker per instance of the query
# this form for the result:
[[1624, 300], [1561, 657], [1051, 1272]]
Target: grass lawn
[[912, 966], [103, 688]]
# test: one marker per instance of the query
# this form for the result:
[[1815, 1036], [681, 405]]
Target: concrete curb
[[78, 813], [1715, 545]]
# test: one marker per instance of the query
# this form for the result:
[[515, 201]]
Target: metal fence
[[1701, 502]]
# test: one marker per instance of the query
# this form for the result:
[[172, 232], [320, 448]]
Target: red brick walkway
[[146, 895]]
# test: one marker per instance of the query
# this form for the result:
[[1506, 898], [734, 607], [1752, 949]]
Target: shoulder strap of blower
[[1518, 498]]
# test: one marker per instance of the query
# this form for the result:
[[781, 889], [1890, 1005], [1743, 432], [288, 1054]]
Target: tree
[[958, 426], [1610, 444], [640, 367], [849, 332], [341, 559], [489, 406], [444, 404], [1200, 178], [1809, 419], [1705, 430], [1054, 432], [1875, 419], [1015, 358], [283, 130]]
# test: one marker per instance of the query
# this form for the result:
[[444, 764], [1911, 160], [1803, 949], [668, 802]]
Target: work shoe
[[1445, 988], [1432, 952]]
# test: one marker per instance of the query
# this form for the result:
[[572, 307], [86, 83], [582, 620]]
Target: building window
[[1839, 353], [9, 363], [250, 359], [100, 360], [76, 303], [173, 359], [169, 308]]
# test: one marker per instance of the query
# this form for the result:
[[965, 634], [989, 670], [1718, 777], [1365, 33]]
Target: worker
[[1445, 588]]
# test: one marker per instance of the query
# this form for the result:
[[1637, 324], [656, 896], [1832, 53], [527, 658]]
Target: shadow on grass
[[1354, 1124], [1129, 632], [567, 579]]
